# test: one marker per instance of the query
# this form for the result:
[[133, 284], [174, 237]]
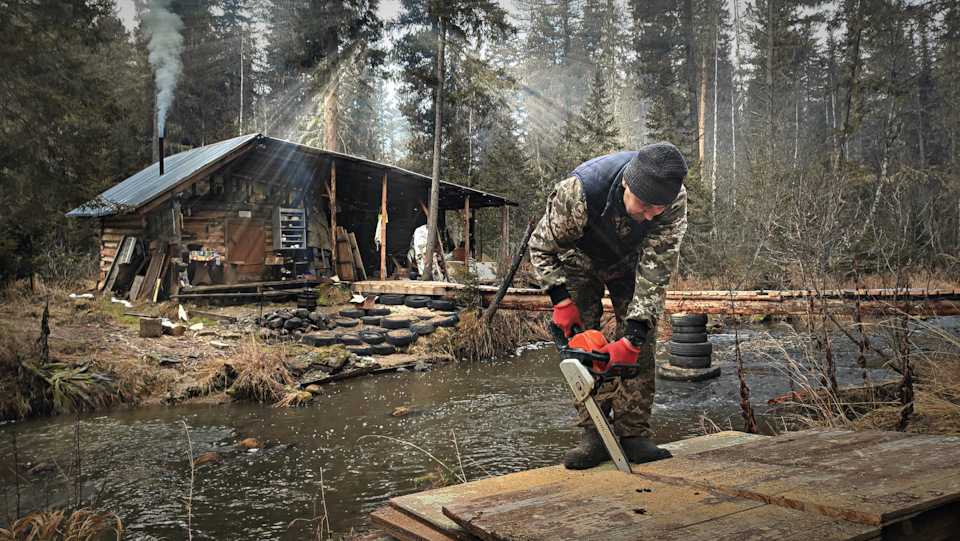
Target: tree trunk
[[854, 26], [735, 95], [331, 113], [702, 130], [437, 134], [691, 64], [716, 105], [771, 123], [241, 82]]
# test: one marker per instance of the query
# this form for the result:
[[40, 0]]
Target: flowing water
[[493, 417]]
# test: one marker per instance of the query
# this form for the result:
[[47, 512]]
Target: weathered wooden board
[[427, 506], [401, 526], [875, 478], [614, 505]]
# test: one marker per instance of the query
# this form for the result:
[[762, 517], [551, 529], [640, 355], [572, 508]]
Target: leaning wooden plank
[[618, 505], [111, 276], [357, 260], [405, 528], [135, 288], [153, 272]]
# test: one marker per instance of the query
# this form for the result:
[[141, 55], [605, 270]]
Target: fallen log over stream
[[931, 302], [775, 306]]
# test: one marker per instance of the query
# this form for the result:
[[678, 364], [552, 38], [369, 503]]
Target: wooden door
[[245, 244]]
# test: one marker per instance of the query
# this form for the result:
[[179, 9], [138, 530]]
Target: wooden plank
[[135, 288], [871, 477], [427, 506], [618, 505], [153, 271], [405, 528], [357, 260], [112, 273]]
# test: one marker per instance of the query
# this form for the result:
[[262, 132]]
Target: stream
[[495, 417]]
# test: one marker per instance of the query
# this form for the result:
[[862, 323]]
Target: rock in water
[[207, 458], [250, 443], [314, 389], [402, 411]]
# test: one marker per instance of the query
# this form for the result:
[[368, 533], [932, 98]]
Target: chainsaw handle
[[627, 370], [559, 338]]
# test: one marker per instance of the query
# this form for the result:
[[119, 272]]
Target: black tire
[[352, 313], [689, 337], [703, 349], [688, 319], [348, 339], [341, 322], [370, 320], [416, 301], [424, 317], [689, 329], [384, 349], [442, 305], [360, 350], [446, 322], [372, 337], [401, 337], [423, 328], [681, 361], [378, 312], [391, 300], [395, 322]]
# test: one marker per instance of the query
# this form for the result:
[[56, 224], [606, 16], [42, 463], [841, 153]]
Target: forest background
[[821, 136]]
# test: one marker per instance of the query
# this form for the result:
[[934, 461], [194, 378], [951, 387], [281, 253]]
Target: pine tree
[[76, 119], [601, 135]]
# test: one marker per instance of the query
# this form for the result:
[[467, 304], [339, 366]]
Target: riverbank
[[91, 354]]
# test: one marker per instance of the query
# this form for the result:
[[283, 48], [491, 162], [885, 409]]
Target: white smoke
[[162, 28]]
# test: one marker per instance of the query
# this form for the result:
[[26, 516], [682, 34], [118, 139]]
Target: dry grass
[[508, 330], [80, 525], [262, 373], [936, 405]]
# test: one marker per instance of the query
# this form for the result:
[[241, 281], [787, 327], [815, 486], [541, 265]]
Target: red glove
[[565, 315], [621, 351]]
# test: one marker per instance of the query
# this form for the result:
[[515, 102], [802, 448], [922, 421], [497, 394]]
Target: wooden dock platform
[[814, 484]]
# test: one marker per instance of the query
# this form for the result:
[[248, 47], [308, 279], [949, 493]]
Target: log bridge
[[932, 302], [811, 485]]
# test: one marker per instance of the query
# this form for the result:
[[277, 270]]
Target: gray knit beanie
[[655, 174]]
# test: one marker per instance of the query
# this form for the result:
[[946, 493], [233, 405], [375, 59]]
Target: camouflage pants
[[631, 404]]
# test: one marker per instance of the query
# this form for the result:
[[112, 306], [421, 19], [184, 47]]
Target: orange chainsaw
[[593, 377]]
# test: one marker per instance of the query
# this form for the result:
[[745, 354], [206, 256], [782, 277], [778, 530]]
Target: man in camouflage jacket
[[617, 222]]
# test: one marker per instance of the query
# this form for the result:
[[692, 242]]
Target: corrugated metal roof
[[148, 184]]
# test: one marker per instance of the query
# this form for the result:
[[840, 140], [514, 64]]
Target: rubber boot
[[640, 449], [588, 454]]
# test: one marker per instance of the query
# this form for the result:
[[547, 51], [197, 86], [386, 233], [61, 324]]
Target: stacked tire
[[690, 352]]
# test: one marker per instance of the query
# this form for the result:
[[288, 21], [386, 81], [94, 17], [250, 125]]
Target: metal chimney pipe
[[160, 144]]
